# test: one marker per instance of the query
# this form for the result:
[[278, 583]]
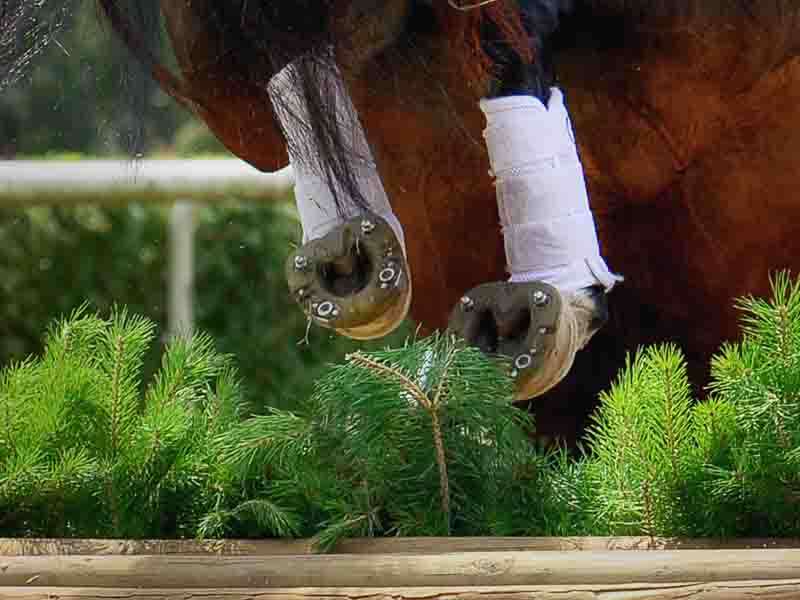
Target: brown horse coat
[[688, 121]]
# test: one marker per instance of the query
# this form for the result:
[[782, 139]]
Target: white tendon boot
[[548, 227], [315, 200], [351, 273]]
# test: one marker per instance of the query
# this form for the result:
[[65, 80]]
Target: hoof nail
[[540, 298], [367, 226], [326, 309], [387, 275], [300, 263], [523, 361]]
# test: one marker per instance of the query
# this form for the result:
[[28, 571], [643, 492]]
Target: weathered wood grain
[[740, 590], [398, 570], [410, 545]]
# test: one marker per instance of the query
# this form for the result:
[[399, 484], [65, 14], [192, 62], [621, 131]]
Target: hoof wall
[[525, 322], [354, 280]]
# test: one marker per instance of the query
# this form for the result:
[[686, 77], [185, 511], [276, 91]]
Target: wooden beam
[[738, 590], [402, 570], [404, 545]]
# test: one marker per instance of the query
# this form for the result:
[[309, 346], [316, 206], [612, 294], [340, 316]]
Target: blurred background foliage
[[77, 101], [83, 96]]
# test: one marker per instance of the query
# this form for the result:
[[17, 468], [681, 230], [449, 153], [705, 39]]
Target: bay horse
[[687, 114]]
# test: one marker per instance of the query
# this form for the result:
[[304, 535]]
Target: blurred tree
[[83, 95]]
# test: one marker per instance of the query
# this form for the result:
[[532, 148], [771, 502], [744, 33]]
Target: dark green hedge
[[53, 260]]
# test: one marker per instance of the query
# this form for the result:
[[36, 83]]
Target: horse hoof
[[530, 323], [354, 280]]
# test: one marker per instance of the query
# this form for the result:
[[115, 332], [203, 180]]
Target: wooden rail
[[400, 545], [418, 568], [735, 590]]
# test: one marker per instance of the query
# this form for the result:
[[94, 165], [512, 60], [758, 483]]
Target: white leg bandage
[[548, 227], [315, 201]]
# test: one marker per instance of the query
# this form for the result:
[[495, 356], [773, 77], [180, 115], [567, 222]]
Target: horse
[[686, 112]]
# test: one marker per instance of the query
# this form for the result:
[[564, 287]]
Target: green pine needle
[[418, 440]]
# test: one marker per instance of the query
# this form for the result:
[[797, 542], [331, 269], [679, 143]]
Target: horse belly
[[714, 233], [727, 222]]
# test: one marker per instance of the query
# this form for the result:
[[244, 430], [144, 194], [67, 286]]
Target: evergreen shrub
[[417, 440], [86, 450], [660, 463]]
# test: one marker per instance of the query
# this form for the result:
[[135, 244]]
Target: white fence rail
[[180, 182], [23, 183]]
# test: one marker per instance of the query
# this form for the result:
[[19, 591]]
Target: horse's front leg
[[554, 300], [351, 273]]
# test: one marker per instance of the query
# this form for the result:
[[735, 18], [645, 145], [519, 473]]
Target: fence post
[[180, 308]]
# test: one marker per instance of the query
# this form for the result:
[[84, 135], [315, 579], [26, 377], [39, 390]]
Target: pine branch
[[276, 519], [442, 382], [431, 407], [441, 461], [14, 391], [87, 455], [277, 439], [333, 533], [187, 365], [116, 400], [414, 391], [122, 347]]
